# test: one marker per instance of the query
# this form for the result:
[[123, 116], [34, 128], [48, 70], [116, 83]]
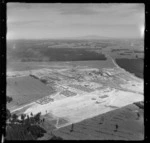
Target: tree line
[[25, 128]]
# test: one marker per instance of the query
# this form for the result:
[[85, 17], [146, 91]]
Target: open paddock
[[23, 66], [103, 127], [25, 90]]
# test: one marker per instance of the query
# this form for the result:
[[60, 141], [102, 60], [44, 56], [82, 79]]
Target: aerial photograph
[[75, 71]]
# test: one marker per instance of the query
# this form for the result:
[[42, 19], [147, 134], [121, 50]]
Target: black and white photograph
[[75, 71]]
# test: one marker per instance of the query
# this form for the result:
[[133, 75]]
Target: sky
[[58, 21]]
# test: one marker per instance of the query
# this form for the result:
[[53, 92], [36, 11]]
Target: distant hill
[[90, 37], [96, 37]]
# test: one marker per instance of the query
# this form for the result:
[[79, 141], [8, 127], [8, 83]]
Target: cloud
[[129, 9], [17, 6], [22, 23], [72, 19], [77, 9]]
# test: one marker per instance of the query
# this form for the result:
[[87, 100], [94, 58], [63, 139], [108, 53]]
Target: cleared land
[[80, 107]]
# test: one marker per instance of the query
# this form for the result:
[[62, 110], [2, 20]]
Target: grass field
[[22, 66], [103, 127], [24, 90]]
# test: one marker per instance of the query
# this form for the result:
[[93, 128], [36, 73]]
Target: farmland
[[103, 127], [76, 91], [26, 89]]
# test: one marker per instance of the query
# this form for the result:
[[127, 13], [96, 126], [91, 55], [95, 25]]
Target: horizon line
[[107, 38]]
